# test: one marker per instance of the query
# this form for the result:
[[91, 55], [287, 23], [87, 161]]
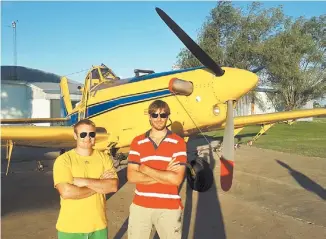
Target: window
[[95, 74]]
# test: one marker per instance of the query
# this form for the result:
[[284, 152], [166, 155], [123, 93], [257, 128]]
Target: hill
[[30, 75]]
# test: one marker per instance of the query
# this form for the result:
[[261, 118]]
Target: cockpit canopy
[[101, 77]]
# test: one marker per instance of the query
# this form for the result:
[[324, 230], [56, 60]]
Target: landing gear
[[199, 175], [117, 158]]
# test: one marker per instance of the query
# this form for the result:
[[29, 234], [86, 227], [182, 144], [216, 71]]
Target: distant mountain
[[29, 75]]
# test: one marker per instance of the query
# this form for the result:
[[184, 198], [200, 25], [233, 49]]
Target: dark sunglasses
[[162, 115], [84, 134]]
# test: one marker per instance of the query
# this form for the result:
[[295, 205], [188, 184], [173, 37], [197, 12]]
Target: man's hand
[[106, 184], [80, 182], [134, 175], [69, 191], [108, 175], [173, 166], [173, 175]]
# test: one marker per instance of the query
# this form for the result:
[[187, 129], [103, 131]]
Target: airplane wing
[[261, 119], [242, 121], [33, 120], [45, 136]]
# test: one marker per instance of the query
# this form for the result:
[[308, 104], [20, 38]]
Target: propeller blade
[[227, 158], [190, 44]]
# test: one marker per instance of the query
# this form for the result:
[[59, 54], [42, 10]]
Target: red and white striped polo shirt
[[144, 151]]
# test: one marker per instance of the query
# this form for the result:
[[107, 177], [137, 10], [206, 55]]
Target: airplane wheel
[[203, 178]]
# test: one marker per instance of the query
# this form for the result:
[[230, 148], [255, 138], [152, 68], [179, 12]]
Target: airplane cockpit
[[102, 77], [107, 73]]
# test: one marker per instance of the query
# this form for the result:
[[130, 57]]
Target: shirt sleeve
[[134, 152], [62, 171], [108, 165], [181, 152]]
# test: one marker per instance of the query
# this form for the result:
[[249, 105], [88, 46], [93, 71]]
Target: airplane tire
[[203, 180]]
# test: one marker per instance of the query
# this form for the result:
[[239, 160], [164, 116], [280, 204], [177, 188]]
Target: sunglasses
[[84, 134], [162, 115]]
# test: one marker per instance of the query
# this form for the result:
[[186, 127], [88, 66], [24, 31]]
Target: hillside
[[30, 75]]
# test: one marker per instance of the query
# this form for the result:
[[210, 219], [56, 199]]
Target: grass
[[303, 138]]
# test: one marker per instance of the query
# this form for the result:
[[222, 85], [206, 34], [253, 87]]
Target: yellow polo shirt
[[87, 214]]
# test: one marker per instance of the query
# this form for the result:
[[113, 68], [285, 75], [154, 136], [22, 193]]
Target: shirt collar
[[167, 133]]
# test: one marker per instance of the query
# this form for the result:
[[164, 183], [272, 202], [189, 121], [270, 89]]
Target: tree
[[234, 39], [292, 51], [295, 61]]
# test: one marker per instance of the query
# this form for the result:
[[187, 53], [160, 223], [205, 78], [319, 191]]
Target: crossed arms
[[85, 187], [143, 174]]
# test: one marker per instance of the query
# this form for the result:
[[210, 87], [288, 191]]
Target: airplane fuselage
[[122, 109]]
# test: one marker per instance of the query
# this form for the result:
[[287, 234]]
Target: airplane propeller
[[227, 157], [190, 44]]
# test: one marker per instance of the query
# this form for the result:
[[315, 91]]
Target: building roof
[[54, 88], [48, 82]]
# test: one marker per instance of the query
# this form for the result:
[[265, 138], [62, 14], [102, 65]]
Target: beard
[[159, 125]]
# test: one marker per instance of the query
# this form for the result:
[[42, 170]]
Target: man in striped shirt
[[156, 164]]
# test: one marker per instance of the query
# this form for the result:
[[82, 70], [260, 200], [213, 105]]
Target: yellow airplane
[[200, 98]]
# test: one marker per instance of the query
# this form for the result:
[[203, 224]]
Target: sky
[[64, 37]]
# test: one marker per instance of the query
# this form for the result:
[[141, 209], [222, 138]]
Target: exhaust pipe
[[181, 87]]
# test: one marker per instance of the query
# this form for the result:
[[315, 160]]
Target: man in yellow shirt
[[83, 176]]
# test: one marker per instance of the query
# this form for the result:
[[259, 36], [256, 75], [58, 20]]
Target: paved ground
[[274, 195]]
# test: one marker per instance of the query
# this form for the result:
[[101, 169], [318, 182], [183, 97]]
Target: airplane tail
[[66, 106]]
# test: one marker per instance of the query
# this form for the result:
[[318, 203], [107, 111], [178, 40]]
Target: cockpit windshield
[[108, 74]]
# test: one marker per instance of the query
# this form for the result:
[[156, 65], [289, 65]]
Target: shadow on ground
[[305, 181], [18, 193], [207, 214]]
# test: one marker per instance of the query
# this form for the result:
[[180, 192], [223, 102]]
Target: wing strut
[[263, 130], [10, 146]]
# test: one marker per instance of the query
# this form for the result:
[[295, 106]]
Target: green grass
[[303, 138]]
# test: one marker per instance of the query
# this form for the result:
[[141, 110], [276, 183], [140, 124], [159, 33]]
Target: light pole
[[14, 32]]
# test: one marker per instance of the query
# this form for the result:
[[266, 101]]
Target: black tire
[[203, 179]]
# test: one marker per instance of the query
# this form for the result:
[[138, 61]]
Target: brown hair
[[83, 121], [158, 104]]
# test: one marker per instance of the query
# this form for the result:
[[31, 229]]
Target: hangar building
[[33, 94]]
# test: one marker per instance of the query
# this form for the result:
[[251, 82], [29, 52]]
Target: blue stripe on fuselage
[[112, 104], [155, 75], [100, 108], [73, 119]]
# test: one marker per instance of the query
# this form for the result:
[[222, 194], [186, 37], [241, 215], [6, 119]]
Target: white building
[[37, 99]]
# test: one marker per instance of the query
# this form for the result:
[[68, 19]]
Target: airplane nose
[[234, 83], [249, 79]]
